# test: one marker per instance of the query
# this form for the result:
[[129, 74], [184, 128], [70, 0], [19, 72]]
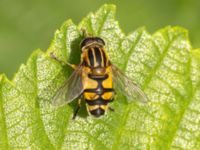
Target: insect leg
[[77, 109], [85, 33], [62, 62], [111, 109]]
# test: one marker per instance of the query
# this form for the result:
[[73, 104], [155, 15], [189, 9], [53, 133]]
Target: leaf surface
[[163, 65]]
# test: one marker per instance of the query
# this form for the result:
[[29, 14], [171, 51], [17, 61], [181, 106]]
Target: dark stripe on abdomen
[[97, 112], [99, 91], [98, 101]]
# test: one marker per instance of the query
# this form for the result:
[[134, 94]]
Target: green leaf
[[163, 64]]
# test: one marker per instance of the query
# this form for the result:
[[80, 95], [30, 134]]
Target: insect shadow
[[74, 58]]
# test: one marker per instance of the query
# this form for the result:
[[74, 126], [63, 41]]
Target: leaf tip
[[105, 9], [30, 60], [174, 29], [2, 76], [109, 7], [67, 23], [141, 29]]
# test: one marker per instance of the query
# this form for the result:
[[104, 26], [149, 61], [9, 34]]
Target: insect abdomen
[[98, 106], [97, 99]]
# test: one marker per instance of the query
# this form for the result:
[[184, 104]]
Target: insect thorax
[[95, 57]]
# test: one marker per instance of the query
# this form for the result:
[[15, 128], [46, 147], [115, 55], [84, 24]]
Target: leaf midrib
[[125, 116], [187, 102], [102, 23], [37, 110]]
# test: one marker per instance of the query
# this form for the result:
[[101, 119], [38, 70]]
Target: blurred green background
[[26, 25]]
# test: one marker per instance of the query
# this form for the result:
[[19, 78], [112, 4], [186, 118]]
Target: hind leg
[[77, 109], [111, 109]]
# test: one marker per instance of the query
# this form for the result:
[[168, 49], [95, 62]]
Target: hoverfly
[[95, 80]]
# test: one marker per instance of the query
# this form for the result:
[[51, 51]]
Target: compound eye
[[85, 42], [90, 40], [101, 41]]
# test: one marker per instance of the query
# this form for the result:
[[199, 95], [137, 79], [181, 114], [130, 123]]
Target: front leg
[[62, 62]]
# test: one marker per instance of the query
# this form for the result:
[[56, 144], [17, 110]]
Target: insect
[[95, 80]]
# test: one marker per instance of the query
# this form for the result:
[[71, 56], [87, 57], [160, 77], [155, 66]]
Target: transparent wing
[[123, 83], [71, 89]]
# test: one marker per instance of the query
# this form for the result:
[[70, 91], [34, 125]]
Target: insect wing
[[123, 83], [71, 89]]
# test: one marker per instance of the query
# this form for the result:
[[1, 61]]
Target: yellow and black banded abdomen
[[97, 98]]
